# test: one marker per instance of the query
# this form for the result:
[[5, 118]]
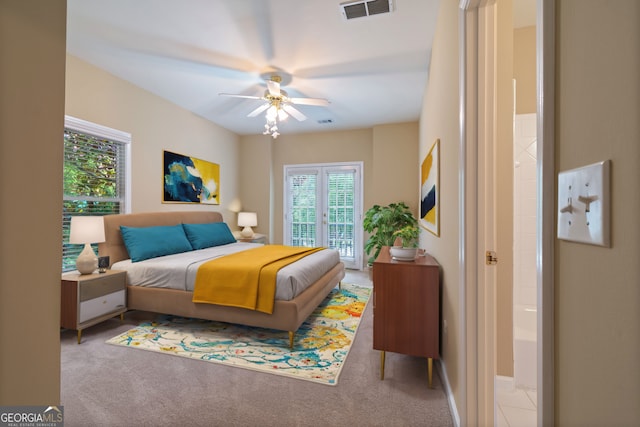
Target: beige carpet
[[104, 386]]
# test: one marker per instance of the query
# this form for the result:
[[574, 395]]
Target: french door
[[323, 207]]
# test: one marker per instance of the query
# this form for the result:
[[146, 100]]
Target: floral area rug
[[321, 344]]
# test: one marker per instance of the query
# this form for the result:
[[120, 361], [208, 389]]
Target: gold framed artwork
[[190, 180], [430, 190]]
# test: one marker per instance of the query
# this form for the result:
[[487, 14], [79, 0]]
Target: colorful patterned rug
[[321, 343]]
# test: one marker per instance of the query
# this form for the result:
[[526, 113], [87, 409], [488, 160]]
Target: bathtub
[[525, 366]]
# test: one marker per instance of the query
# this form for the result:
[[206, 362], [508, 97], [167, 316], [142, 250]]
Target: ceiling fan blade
[[273, 87], [233, 95], [295, 113], [320, 102], [259, 110]]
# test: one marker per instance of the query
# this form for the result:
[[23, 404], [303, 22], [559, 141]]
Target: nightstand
[[257, 238], [88, 299], [406, 308]]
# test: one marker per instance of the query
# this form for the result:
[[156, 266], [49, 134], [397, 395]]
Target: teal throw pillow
[[151, 242], [208, 235]]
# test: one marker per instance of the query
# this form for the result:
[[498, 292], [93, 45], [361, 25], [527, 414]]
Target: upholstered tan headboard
[[114, 247]]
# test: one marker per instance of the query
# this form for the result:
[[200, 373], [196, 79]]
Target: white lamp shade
[[86, 229], [247, 219]]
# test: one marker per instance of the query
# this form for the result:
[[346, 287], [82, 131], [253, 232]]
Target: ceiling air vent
[[358, 9]]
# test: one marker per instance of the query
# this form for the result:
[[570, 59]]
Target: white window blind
[[341, 212], [303, 193], [95, 180], [322, 207]]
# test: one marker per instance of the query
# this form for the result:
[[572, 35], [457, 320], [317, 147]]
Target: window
[[322, 208], [303, 207], [96, 177]]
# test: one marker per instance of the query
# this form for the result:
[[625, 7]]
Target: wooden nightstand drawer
[[87, 299], [102, 285], [90, 309]]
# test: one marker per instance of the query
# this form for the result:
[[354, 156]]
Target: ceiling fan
[[277, 103]]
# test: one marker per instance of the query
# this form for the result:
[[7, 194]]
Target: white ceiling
[[373, 70]]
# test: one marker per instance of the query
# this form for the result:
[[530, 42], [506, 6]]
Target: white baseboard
[[442, 370]]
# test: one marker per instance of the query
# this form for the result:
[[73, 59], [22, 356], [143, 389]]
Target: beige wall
[[504, 188], [395, 167], [155, 125], [264, 185], [597, 290], [385, 151], [524, 69], [32, 50], [439, 119], [256, 180]]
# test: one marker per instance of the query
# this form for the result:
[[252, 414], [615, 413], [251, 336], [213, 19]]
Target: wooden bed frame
[[286, 316]]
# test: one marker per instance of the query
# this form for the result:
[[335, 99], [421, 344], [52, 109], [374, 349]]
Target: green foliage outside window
[[92, 183]]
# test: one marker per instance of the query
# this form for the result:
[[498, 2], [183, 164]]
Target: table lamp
[[86, 230], [247, 220]]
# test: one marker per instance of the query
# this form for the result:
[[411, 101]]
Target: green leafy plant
[[409, 235], [385, 223]]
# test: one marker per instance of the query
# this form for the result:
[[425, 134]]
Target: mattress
[[178, 271]]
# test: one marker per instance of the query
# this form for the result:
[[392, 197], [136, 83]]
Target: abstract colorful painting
[[430, 190], [190, 180]]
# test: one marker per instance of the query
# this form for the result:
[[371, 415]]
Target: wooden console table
[[406, 308]]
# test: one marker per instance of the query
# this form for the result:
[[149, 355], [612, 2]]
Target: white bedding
[[178, 271]]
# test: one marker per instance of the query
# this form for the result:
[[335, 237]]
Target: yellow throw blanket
[[245, 279]]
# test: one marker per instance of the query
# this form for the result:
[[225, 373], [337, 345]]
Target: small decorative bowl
[[403, 254]]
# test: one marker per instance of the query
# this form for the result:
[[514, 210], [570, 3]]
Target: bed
[[287, 315]]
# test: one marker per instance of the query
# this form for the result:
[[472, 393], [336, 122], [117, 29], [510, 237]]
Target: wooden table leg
[[382, 365], [430, 370]]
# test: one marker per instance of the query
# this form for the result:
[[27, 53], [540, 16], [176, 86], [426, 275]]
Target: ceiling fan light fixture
[[282, 115], [272, 113], [278, 105], [271, 126]]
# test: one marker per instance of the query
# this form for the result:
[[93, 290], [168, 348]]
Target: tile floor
[[515, 407]]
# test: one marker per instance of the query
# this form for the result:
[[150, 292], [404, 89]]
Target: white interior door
[[323, 208], [477, 370]]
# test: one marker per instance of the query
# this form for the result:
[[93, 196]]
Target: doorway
[[323, 207], [516, 398], [477, 36]]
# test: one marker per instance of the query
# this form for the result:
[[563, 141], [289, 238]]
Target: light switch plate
[[583, 204]]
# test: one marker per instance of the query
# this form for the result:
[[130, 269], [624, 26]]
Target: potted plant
[[385, 224], [408, 236]]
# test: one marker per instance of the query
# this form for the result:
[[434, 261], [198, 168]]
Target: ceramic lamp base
[[87, 261], [247, 232]]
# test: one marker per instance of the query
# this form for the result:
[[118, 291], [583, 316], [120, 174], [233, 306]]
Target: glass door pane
[[323, 208], [340, 216], [303, 189]]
